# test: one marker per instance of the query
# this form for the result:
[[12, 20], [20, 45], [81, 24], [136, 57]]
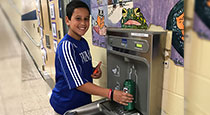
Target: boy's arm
[[93, 89], [118, 96]]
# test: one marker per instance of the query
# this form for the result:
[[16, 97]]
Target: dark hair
[[75, 4]]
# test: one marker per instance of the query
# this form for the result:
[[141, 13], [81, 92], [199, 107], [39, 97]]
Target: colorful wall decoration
[[202, 18], [139, 14], [175, 22], [99, 22], [115, 10]]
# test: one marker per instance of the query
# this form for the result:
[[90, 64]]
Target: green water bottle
[[129, 87]]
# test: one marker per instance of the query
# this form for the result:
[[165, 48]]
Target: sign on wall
[[54, 30], [52, 11], [55, 44]]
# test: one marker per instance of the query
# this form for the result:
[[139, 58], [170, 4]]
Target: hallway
[[23, 91]]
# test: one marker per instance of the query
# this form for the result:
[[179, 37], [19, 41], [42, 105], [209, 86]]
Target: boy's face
[[79, 23]]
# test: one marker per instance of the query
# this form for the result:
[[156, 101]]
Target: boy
[[73, 64]]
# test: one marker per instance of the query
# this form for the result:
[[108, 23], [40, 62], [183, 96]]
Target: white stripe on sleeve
[[67, 60], [78, 77]]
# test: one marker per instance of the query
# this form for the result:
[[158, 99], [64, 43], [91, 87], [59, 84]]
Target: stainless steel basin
[[89, 109], [101, 107]]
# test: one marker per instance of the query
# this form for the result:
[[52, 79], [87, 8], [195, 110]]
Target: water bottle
[[129, 87]]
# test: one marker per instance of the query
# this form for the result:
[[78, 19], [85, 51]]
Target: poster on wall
[[175, 22], [99, 26], [106, 13], [99, 22], [44, 55], [52, 11], [132, 17], [38, 5], [55, 44], [202, 18], [38, 20], [41, 32], [54, 30], [115, 11]]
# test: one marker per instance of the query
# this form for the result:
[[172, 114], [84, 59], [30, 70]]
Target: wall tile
[[196, 93], [193, 48], [204, 66], [2, 108], [172, 104], [179, 88], [170, 75]]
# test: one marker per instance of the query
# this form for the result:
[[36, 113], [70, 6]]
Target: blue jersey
[[73, 65]]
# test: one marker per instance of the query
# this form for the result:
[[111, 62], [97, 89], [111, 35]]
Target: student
[[73, 65]]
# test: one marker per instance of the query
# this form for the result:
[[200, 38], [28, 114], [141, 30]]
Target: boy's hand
[[122, 97], [97, 74]]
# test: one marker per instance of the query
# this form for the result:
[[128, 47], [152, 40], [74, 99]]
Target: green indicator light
[[139, 45]]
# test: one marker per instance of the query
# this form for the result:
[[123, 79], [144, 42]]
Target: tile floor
[[20, 94], [34, 90]]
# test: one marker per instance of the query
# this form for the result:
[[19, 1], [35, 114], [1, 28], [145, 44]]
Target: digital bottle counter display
[[141, 45], [138, 45]]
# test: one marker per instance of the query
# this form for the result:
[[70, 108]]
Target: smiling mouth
[[82, 28], [133, 22]]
